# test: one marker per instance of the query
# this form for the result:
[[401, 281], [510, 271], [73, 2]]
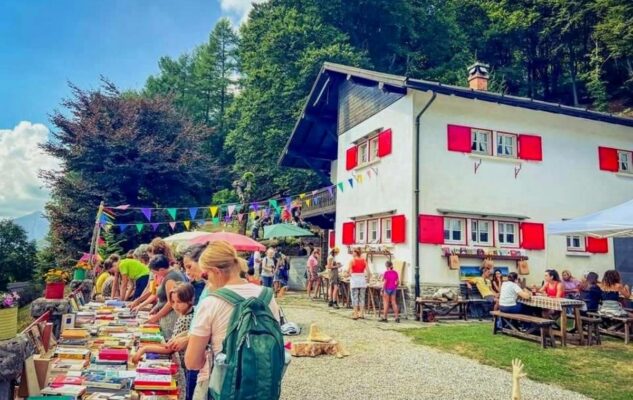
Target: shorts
[[313, 275], [201, 392], [333, 275], [390, 292]]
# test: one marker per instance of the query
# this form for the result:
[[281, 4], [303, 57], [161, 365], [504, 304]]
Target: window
[[508, 233], [454, 231], [624, 161], [481, 141], [506, 145], [373, 231], [386, 230], [480, 232], [575, 243], [363, 153], [360, 231], [373, 149]]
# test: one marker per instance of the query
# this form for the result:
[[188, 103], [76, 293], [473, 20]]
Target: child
[[389, 290], [182, 299]]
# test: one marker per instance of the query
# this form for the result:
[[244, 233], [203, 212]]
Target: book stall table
[[92, 359]]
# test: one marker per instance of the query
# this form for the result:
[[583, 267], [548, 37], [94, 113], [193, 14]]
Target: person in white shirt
[[509, 294]]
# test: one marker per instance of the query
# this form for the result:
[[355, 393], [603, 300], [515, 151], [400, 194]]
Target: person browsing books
[[163, 312]]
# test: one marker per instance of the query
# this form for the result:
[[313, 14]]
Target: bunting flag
[[252, 215], [172, 225], [289, 202], [103, 219], [172, 213], [139, 227], [351, 182], [278, 209], [316, 201], [122, 227], [227, 218], [147, 212], [375, 171], [314, 192], [122, 207], [238, 207], [240, 217], [272, 203], [302, 196], [154, 226], [308, 202], [230, 209], [331, 191], [341, 186], [359, 178], [216, 220], [193, 211], [214, 211], [187, 224]]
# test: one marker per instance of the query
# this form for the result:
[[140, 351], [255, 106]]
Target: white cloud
[[21, 190], [240, 8]]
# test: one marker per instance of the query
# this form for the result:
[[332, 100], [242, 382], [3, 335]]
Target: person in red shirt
[[389, 290]]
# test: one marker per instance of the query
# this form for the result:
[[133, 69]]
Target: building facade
[[440, 170]]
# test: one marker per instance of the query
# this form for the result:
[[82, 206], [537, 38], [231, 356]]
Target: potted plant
[[80, 270], [8, 315], [55, 281]]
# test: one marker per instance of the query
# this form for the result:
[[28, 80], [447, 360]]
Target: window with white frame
[[481, 232], [624, 161], [506, 145], [454, 230], [508, 233], [481, 141], [363, 153], [373, 234], [373, 148], [361, 230], [575, 243], [386, 230]]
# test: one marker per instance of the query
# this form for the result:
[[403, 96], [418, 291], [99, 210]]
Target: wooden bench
[[591, 327], [619, 327], [541, 324], [441, 308]]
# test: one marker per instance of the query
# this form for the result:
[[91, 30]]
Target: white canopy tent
[[613, 222]]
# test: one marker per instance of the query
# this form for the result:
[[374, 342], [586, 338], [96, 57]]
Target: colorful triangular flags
[[230, 209], [187, 224], [213, 210], [122, 227], [216, 220], [193, 211], [139, 227], [308, 202], [154, 226], [147, 212], [272, 203], [172, 225], [341, 186], [172, 213], [331, 191], [351, 182], [240, 217]]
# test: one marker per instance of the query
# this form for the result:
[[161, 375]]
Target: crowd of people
[[605, 296], [357, 272], [179, 292]]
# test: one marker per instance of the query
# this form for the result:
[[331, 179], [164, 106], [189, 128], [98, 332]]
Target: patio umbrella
[[240, 242], [285, 230], [613, 222], [184, 236]]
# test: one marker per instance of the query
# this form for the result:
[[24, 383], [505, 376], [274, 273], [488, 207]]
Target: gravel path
[[385, 364]]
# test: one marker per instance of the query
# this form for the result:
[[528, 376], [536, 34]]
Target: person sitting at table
[[163, 313], [571, 285], [612, 288], [497, 281], [552, 287], [483, 284], [590, 293], [510, 293]]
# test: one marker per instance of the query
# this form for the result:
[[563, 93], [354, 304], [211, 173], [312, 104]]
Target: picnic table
[[559, 304]]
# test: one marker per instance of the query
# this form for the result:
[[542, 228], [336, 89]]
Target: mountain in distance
[[35, 225]]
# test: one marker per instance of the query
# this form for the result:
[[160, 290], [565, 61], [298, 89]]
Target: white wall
[[566, 184], [390, 190]]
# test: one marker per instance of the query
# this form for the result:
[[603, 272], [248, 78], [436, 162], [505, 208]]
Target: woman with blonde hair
[[358, 283], [213, 315]]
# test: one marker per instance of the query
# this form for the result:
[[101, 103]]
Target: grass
[[602, 372], [24, 317]]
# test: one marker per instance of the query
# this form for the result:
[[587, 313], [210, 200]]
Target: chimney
[[478, 76]]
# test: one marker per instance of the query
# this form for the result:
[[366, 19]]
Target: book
[[65, 390], [154, 387], [114, 354], [74, 333], [106, 396], [158, 397], [158, 367], [105, 380], [61, 380], [72, 353], [151, 338], [144, 379], [63, 365]]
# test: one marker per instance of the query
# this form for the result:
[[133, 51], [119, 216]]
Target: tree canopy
[[17, 254]]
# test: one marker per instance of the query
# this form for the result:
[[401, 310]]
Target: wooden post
[[95, 235]]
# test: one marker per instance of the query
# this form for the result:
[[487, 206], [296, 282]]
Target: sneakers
[[383, 320], [398, 320], [335, 305], [330, 303]]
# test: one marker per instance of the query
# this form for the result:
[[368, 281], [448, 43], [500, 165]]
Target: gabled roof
[[313, 142]]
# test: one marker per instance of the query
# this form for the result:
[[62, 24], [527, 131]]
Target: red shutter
[[332, 239], [532, 236], [351, 160], [398, 229], [349, 232], [459, 138], [608, 159], [595, 245], [431, 229], [530, 148], [384, 143]]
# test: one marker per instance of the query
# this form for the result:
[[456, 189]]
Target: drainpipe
[[416, 207]]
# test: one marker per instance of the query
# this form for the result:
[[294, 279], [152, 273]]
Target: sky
[[44, 44]]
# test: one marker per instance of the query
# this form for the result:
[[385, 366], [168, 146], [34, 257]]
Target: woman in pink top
[[389, 289], [313, 272]]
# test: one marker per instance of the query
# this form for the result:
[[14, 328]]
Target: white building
[[460, 170]]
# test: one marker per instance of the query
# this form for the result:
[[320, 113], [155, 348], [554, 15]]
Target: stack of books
[[75, 333], [156, 384], [64, 379], [114, 354], [72, 353], [158, 367], [106, 380], [73, 391], [83, 318], [62, 366]]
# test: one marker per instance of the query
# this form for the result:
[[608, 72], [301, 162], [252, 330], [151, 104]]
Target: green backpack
[[251, 364]]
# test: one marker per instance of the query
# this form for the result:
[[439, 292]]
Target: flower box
[[54, 290], [8, 323], [79, 274]]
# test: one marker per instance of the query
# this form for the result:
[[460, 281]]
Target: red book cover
[[114, 354], [144, 379], [61, 380]]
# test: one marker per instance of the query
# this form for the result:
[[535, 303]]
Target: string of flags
[[227, 213]]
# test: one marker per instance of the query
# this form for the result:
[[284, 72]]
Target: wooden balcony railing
[[320, 203]]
